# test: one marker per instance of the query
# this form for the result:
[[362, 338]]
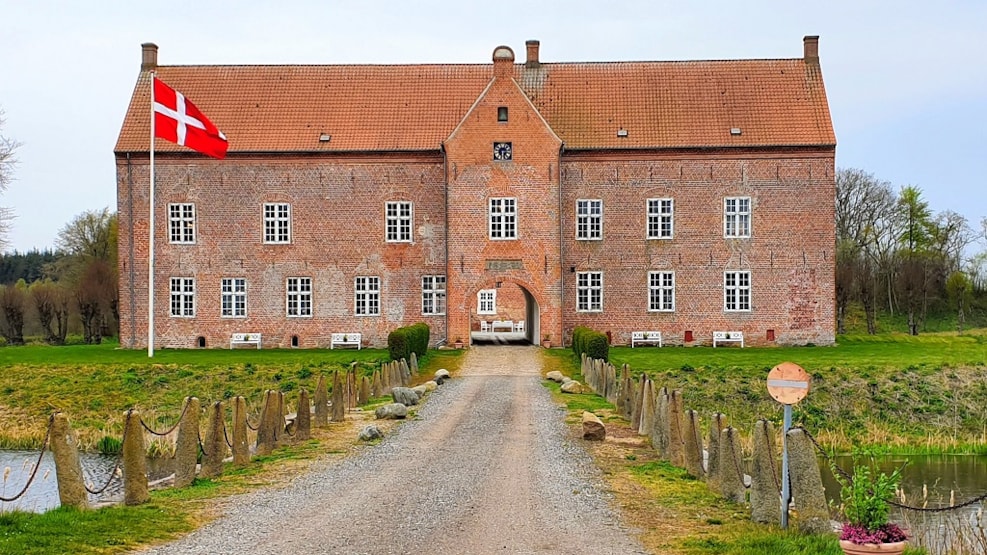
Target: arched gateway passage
[[504, 312]]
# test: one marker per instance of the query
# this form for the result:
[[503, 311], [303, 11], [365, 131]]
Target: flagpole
[[150, 241]]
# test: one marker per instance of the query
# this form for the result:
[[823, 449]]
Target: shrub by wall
[[591, 342], [410, 339]]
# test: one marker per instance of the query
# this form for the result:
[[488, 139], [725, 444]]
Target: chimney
[[532, 60], [811, 49], [503, 61], [149, 56]]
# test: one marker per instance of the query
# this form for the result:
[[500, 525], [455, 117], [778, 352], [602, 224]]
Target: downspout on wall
[[130, 242], [561, 256], [445, 175]]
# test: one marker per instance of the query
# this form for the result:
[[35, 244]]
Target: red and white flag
[[177, 120]]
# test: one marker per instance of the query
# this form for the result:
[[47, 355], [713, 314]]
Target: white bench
[[507, 325], [245, 339], [645, 337], [346, 340], [728, 337]]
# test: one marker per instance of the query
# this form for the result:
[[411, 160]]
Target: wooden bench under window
[[346, 340], [245, 339], [728, 337], [645, 338]]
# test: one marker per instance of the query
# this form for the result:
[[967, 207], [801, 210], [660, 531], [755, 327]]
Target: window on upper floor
[[661, 291], [277, 223], [589, 292], [589, 219], [502, 113], [503, 218], [737, 217], [661, 213], [183, 297], [398, 216], [181, 223], [737, 291]]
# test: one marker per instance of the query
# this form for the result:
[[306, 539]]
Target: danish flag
[[177, 120]]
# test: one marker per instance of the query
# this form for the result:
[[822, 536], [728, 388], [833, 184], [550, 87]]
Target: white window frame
[[661, 218], [589, 219], [737, 213], [589, 291], [182, 298], [399, 215], [276, 223], [502, 218], [661, 291], [366, 296], [737, 291], [486, 301], [434, 295], [181, 223], [233, 298], [298, 297]]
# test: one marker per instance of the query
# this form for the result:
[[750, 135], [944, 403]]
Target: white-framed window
[[486, 301], [181, 223], [277, 222], [366, 300], [433, 295], [183, 297], [737, 217], [398, 218], [233, 298], [661, 212], [661, 291], [298, 297], [737, 291], [589, 219], [503, 218], [589, 292]]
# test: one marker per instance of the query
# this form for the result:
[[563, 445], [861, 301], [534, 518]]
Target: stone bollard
[[385, 379], [338, 408], [266, 434], [303, 417], [716, 426], [321, 403], [68, 469], [611, 384], [647, 409], [693, 448], [676, 437], [214, 444], [414, 364], [405, 373], [351, 400], [731, 473], [364, 397], [187, 443], [638, 392], [807, 486], [375, 388], [280, 437], [241, 446], [765, 476], [625, 401], [134, 461], [659, 438]]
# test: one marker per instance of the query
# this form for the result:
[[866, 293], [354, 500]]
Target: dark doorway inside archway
[[504, 314]]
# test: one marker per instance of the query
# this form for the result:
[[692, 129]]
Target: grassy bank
[[675, 512]]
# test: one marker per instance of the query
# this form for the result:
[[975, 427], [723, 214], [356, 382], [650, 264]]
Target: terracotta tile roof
[[416, 107]]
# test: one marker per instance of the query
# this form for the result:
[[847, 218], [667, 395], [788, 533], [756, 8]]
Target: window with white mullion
[[366, 301], [589, 292], [486, 301], [233, 298], [660, 218], [181, 223], [737, 291], [182, 297], [737, 217], [398, 218], [589, 219], [298, 297], [661, 291], [277, 223], [433, 295], [503, 218]]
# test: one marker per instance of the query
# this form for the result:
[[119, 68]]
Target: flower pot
[[850, 548], [546, 343]]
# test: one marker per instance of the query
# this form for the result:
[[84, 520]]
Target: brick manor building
[[684, 197]]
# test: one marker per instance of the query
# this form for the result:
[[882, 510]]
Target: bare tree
[[960, 293], [13, 302], [7, 163], [862, 201], [51, 302], [91, 234]]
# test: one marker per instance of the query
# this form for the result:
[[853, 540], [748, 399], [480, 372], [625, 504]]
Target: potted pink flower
[[866, 511]]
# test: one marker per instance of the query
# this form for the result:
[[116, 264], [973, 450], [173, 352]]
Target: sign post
[[788, 383]]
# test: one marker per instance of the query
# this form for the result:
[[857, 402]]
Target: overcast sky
[[907, 80]]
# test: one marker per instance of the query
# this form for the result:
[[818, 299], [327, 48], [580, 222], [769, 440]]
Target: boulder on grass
[[370, 433], [419, 390], [430, 385], [555, 376], [593, 429], [572, 386], [404, 395], [441, 375], [393, 411]]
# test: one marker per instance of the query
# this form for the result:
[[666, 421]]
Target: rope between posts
[[846, 476], [116, 465], [226, 436], [172, 429], [37, 465], [202, 447]]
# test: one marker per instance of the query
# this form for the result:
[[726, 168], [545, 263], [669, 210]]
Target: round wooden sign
[[788, 383]]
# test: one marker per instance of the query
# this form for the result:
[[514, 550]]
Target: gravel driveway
[[487, 467]]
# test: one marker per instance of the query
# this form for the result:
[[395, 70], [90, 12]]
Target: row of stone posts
[[676, 435], [348, 391]]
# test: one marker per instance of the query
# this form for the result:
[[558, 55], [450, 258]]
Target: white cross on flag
[[177, 120]]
